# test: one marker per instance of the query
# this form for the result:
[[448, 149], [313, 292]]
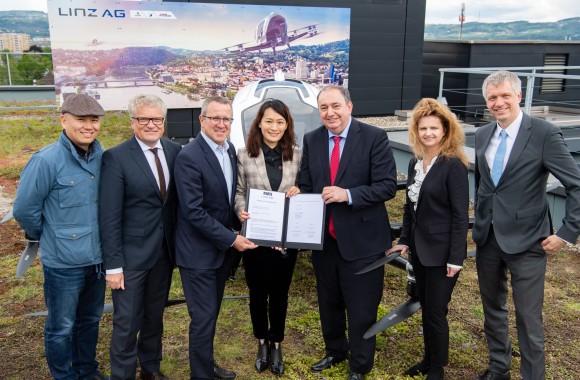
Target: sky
[[440, 11]]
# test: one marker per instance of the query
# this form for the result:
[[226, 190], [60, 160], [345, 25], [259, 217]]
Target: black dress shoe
[[222, 373], [436, 373], [153, 375], [326, 362], [100, 376], [277, 366], [489, 375], [355, 376], [418, 369], [262, 359]]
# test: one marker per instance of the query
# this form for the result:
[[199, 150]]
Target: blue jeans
[[74, 299]]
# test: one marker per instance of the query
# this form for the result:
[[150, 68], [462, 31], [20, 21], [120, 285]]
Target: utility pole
[[461, 20]]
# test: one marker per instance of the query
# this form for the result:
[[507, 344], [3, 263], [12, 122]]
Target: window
[[552, 85]]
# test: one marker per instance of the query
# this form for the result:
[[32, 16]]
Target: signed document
[[277, 221]]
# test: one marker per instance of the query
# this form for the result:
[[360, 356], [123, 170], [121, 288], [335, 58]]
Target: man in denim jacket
[[57, 204]]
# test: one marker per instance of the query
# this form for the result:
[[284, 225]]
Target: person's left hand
[[292, 192], [334, 194], [553, 243]]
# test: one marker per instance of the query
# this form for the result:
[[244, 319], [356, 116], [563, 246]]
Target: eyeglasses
[[146, 120], [216, 120]]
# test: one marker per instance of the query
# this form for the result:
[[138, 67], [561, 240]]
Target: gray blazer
[[518, 205], [252, 175]]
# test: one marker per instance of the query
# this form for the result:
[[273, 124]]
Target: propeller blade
[[108, 308], [7, 217], [37, 314], [380, 262], [179, 301], [26, 258], [402, 312]]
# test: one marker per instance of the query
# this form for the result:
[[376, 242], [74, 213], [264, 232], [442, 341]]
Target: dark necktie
[[334, 162], [162, 188]]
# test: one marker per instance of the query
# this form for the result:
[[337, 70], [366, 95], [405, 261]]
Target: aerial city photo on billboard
[[186, 52]]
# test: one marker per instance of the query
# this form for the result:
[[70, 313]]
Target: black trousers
[[268, 275], [434, 289], [138, 319], [204, 291], [340, 290]]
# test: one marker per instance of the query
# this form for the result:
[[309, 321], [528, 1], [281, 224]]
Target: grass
[[235, 348]]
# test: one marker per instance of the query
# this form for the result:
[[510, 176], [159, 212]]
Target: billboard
[[186, 52]]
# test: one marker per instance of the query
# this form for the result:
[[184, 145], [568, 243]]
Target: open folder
[[277, 221]]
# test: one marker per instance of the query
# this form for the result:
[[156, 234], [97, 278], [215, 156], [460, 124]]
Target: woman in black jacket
[[435, 223]]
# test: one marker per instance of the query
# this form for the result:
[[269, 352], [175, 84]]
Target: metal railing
[[530, 73], [9, 62]]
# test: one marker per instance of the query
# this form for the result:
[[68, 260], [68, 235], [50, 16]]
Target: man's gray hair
[[216, 99], [343, 91], [498, 78], [146, 100]]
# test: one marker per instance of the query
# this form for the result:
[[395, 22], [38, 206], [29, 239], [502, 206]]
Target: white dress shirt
[[512, 132]]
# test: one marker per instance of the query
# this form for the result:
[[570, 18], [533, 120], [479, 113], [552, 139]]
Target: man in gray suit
[[512, 230]]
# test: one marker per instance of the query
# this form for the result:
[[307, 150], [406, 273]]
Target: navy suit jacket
[[368, 170], [205, 218], [437, 230], [133, 218]]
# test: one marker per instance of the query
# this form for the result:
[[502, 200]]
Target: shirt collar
[[145, 147], [213, 145], [266, 149], [82, 153], [512, 129], [344, 133]]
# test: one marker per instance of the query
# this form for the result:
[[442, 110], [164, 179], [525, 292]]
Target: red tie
[[334, 161]]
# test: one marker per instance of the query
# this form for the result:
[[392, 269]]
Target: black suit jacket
[[437, 230], [133, 219], [205, 216], [368, 170]]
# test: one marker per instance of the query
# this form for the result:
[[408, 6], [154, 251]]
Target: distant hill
[[567, 29], [34, 23]]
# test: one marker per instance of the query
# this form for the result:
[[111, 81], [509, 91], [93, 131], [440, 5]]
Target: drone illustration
[[272, 32]]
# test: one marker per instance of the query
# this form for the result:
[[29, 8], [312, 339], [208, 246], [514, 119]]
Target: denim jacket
[[57, 203]]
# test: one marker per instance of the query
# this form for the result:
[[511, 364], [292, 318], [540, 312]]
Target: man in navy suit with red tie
[[352, 165]]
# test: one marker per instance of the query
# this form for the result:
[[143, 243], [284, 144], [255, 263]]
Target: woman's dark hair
[[255, 139]]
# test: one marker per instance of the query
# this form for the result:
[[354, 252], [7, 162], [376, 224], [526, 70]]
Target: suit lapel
[[429, 177], [350, 144], [260, 163], [485, 139], [322, 154], [139, 156], [287, 171], [519, 144]]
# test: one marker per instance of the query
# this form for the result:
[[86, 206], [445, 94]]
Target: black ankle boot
[[277, 364], [421, 368], [262, 359]]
